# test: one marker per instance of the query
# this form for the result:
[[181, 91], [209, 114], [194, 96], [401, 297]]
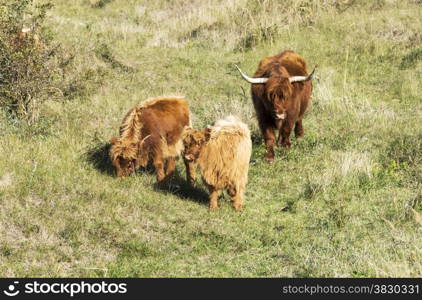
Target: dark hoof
[[270, 159], [237, 207], [286, 145]]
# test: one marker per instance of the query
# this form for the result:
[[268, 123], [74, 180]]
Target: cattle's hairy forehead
[[124, 151], [192, 136]]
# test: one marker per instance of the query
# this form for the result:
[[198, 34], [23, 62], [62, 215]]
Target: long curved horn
[[250, 79], [302, 78], [144, 139]]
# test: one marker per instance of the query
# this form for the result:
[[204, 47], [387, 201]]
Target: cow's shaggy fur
[[222, 153], [279, 103], [151, 131]]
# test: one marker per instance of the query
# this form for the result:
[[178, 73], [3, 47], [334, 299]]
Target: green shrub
[[29, 62]]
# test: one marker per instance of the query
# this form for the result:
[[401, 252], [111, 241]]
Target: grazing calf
[[281, 93], [222, 153], [151, 131]]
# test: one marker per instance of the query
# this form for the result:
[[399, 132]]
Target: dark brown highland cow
[[281, 92], [151, 131]]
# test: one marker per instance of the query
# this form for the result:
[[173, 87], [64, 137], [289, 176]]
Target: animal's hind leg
[[214, 193], [299, 132]]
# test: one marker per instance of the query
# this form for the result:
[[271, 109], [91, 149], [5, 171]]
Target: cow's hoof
[[280, 141], [269, 159], [299, 135], [237, 207]]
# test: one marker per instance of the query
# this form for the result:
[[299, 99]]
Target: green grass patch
[[340, 203]]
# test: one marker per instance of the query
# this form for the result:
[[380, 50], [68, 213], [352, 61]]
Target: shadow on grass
[[99, 158], [257, 139], [178, 186]]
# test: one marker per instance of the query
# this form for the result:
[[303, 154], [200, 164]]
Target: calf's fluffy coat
[[151, 131], [222, 153]]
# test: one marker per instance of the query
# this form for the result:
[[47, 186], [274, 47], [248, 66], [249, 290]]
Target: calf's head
[[124, 155], [193, 142]]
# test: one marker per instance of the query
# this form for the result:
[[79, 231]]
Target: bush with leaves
[[29, 65]]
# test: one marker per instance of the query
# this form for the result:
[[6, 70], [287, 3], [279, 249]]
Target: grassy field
[[345, 201]]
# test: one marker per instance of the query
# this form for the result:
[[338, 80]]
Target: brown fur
[[150, 131], [279, 96], [222, 153]]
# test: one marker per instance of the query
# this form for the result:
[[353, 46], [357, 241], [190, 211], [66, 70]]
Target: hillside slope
[[345, 201]]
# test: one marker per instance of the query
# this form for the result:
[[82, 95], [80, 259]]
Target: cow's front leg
[[171, 166], [284, 135], [190, 171], [214, 193], [269, 137], [266, 127], [236, 196], [159, 166], [299, 132]]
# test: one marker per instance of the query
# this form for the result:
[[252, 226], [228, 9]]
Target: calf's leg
[[214, 193], [171, 166], [236, 196], [190, 171], [158, 162]]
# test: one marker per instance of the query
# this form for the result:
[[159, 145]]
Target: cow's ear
[[113, 140], [207, 134], [186, 131]]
